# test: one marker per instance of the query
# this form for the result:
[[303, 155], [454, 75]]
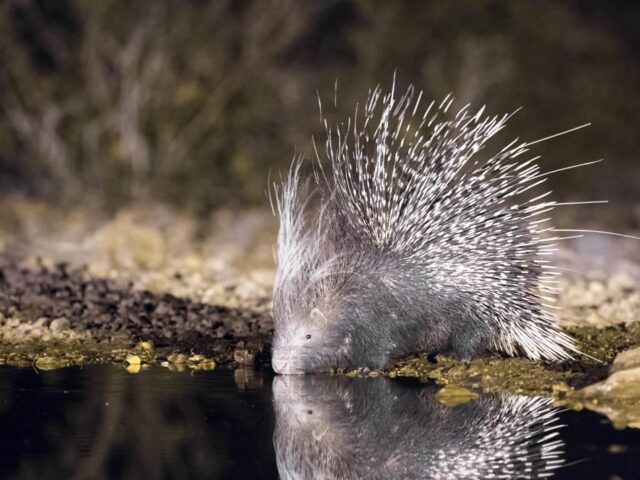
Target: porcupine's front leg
[[468, 335], [366, 361], [467, 346]]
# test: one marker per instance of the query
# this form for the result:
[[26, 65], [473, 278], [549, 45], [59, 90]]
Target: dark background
[[194, 102]]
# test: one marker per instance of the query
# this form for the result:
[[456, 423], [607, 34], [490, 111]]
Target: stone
[[59, 324], [133, 360], [626, 360], [617, 397], [242, 356]]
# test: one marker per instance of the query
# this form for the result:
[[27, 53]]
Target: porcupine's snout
[[279, 364], [284, 364], [281, 357], [300, 345]]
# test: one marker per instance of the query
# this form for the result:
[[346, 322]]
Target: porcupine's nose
[[279, 365]]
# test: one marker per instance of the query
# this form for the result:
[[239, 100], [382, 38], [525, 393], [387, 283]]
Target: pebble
[[59, 324], [242, 356], [55, 301], [617, 397], [133, 360], [627, 359], [177, 358]]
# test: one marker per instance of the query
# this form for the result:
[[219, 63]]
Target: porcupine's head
[[316, 302]]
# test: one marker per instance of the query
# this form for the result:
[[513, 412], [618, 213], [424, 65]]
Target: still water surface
[[103, 422]]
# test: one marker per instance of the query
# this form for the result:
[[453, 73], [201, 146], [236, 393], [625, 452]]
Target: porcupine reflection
[[337, 427]]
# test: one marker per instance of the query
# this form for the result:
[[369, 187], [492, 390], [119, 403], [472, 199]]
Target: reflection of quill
[[338, 427]]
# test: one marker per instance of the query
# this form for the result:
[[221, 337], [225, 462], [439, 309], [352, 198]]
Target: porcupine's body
[[419, 243]]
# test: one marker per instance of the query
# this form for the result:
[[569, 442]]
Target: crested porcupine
[[407, 239]]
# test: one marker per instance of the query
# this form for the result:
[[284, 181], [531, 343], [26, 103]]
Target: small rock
[[626, 360], [13, 322], [59, 324], [177, 358], [41, 322], [242, 356], [199, 362], [617, 397], [51, 363], [133, 360], [239, 327]]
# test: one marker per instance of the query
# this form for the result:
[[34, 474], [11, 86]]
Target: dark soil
[[107, 309], [110, 310], [582, 374]]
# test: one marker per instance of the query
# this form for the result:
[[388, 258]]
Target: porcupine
[[417, 243]]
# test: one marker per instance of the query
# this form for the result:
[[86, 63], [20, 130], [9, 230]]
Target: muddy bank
[[60, 316], [63, 312]]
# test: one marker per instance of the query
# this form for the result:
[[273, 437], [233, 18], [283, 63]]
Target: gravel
[[64, 298]]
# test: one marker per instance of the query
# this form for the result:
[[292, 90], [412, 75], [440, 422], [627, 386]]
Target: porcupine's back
[[409, 202]]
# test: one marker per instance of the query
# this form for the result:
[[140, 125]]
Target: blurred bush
[[195, 102]]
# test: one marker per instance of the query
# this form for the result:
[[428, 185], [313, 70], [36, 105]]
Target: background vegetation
[[194, 102]]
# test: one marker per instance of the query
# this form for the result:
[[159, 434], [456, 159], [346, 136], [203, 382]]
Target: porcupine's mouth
[[279, 365], [284, 366]]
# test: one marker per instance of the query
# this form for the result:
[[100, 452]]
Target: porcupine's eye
[[308, 337]]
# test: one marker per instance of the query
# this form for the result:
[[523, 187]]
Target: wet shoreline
[[66, 313]]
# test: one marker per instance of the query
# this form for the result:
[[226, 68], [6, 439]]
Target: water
[[102, 422]]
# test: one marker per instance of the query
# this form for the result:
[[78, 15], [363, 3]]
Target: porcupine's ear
[[317, 316]]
